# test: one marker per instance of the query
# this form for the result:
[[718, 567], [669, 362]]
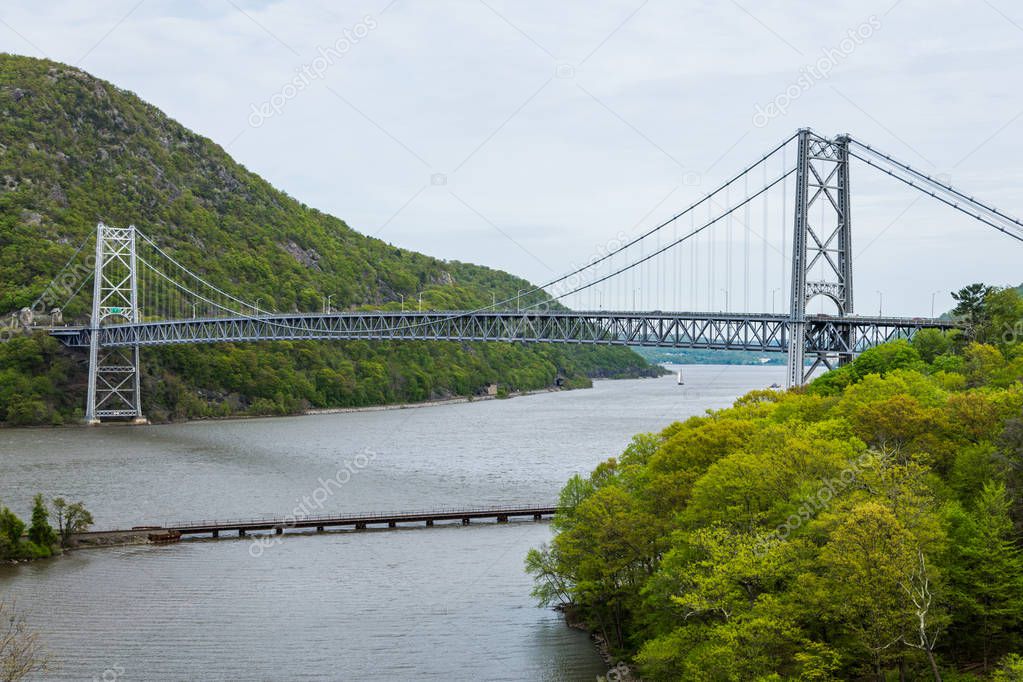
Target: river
[[448, 603]]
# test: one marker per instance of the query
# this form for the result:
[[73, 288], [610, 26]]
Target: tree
[[1004, 313], [981, 363], [1010, 669], [970, 303], [549, 587], [930, 622], [71, 519], [866, 558], [40, 532], [20, 651], [1010, 444], [985, 574], [11, 530], [930, 343], [610, 550], [888, 357]]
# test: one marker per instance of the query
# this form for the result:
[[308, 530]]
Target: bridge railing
[[284, 520]]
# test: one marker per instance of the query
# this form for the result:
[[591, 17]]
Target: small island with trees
[[39, 539]]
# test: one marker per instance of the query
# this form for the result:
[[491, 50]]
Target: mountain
[[76, 150]]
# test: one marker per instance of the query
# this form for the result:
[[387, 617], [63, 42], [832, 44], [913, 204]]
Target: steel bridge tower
[[114, 389], [822, 247]]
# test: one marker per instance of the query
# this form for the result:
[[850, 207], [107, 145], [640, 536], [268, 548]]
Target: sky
[[530, 136]]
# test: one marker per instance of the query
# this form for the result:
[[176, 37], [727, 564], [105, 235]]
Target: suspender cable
[[694, 297], [763, 251], [682, 239], [784, 231], [711, 289], [745, 251], [728, 250]]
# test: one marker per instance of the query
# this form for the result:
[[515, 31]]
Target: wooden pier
[[321, 523]]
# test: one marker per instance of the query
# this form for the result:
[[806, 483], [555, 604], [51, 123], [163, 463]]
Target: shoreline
[[409, 406], [313, 411], [623, 671]]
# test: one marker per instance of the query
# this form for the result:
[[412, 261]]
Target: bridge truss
[[822, 335], [144, 297]]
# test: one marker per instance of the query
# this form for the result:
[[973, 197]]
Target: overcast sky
[[524, 135]]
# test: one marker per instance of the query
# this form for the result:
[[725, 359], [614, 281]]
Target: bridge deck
[[279, 524], [766, 333]]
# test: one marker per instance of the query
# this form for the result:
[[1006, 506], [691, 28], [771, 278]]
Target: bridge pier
[[392, 524], [465, 520], [113, 386], [319, 529], [241, 532], [822, 177], [360, 526], [502, 519], [216, 533], [429, 523]]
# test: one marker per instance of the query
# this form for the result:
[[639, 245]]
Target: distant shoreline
[[425, 403], [455, 400], [312, 411]]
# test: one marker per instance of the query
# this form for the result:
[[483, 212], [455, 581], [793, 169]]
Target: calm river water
[[447, 603]]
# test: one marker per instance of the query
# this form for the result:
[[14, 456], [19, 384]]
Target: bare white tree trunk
[[918, 587]]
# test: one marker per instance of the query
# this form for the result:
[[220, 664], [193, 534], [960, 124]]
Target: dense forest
[[42, 383], [867, 526], [76, 150]]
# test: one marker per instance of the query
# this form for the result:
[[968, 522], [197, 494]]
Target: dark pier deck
[[280, 524]]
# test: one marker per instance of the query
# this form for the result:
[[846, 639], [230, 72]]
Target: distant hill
[[76, 150], [699, 356]]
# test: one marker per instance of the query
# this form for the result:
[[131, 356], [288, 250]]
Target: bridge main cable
[[678, 241], [259, 313], [972, 201], [656, 228], [707, 198]]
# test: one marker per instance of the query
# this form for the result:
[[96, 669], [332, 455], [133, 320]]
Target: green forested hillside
[[75, 150], [866, 527]]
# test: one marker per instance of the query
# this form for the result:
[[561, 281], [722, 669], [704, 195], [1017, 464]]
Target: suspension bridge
[[143, 296]]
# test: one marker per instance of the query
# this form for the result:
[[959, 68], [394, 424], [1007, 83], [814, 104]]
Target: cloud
[[565, 123]]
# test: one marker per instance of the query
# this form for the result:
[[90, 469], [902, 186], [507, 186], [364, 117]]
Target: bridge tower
[[114, 389], [822, 248]]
